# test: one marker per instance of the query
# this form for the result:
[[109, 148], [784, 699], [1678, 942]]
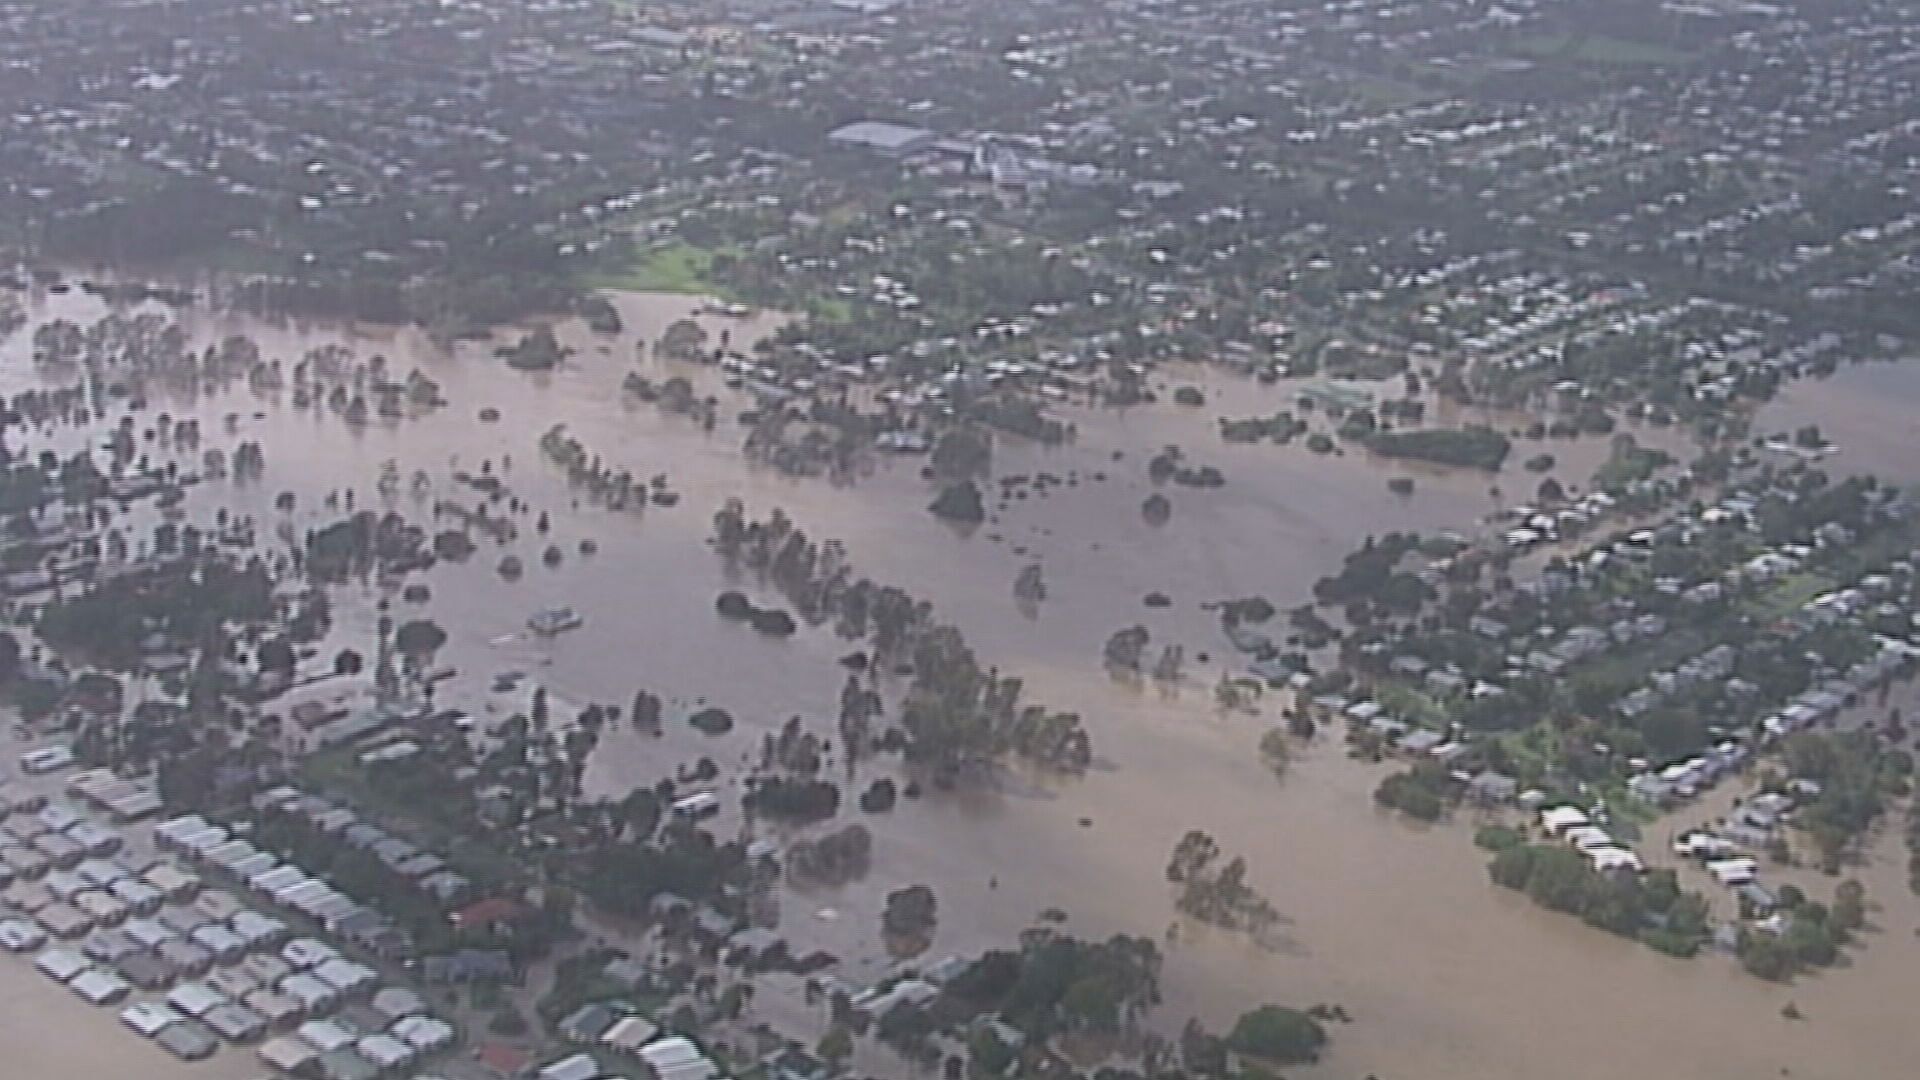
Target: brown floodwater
[[1447, 977], [48, 1032], [1869, 411]]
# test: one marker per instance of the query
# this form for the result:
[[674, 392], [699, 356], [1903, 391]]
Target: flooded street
[[1447, 977]]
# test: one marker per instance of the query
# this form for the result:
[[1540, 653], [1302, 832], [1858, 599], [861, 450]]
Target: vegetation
[[1276, 1034], [1469, 447], [1812, 936], [794, 800], [538, 350], [1857, 778], [1420, 792], [1214, 893], [955, 713], [1057, 984], [671, 267], [1649, 907], [910, 915], [1282, 427], [960, 503]]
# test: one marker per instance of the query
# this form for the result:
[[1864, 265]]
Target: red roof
[[501, 1058], [485, 913]]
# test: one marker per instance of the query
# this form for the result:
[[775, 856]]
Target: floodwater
[[1869, 411], [1447, 977], [48, 1032]]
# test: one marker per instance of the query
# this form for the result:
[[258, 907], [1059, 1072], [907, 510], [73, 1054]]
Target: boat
[[554, 621]]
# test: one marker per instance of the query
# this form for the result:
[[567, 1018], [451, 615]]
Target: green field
[[672, 268], [1786, 595], [1599, 49]]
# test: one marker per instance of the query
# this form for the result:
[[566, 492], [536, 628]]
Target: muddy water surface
[[1446, 976]]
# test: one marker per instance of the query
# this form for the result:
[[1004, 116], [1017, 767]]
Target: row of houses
[[662, 1057], [219, 970], [428, 872], [1578, 830]]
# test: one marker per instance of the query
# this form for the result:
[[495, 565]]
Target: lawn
[[1633, 665], [1786, 595], [1599, 49], [671, 268]]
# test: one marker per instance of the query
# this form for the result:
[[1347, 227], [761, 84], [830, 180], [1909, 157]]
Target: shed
[[346, 1064], [629, 1034], [1558, 819], [325, 1035], [346, 976], [313, 995], [184, 957], [424, 1033], [140, 897], [277, 1008], [63, 920], [195, 999], [577, 1067], [61, 965], [385, 1051], [173, 882], [99, 987], [146, 971], [188, 1040], [290, 1056], [235, 1022], [395, 1002], [148, 1018]]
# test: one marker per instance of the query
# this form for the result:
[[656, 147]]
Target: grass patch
[[670, 268], [1632, 666], [830, 309], [1408, 702], [1786, 595], [1600, 49]]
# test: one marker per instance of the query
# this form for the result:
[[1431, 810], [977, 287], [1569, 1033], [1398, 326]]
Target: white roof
[[273, 1004], [577, 1067], [306, 953], [255, 927], [1588, 838], [344, 975], [148, 1017], [1559, 818], [325, 1035], [196, 999], [61, 964], [180, 828], [308, 990], [385, 1051], [97, 985], [670, 1051], [630, 1033], [218, 939], [423, 1033], [276, 878], [285, 1053], [1612, 858]]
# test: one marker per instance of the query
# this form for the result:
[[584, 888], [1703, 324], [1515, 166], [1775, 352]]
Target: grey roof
[[880, 135]]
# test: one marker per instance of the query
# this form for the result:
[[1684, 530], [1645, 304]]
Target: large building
[[882, 137]]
